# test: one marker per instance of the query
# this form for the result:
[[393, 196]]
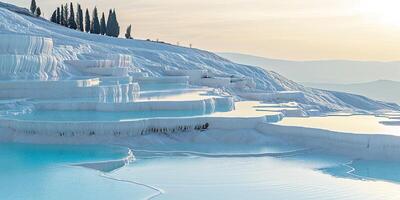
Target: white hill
[[155, 59], [324, 71]]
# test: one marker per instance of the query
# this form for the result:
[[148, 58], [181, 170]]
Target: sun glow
[[384, 11]]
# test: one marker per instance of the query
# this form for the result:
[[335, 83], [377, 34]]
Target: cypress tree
[[112, 24], [62, 15], [38, 12], [87, 21], [95, 26], [103, 26], [66, 15], [71, 20], [79, 18], [109, 24], [33, 6], [116, 25], [54, 17], [128, 32], [58, 16]]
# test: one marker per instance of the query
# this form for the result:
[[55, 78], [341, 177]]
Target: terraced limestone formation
[[193, 124], [63, 84]]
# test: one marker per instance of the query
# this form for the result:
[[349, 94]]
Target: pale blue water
[[296, 177], [189, 171], [366, 170], [44, 172]]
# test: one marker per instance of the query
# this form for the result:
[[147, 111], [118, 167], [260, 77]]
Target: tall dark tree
[[33, 7], [54, 17], [116, 25], [128, 32], [112, 24], [87, 21], [103, 26], [58, 21], [38, 12], [79, 18], [109, 24], [66, 15], [62, 16], [71, 19], [95, 25]]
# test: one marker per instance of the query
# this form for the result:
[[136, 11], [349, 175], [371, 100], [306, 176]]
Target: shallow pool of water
[[191, 171], [294, 177], [45, 172], [362, 124]]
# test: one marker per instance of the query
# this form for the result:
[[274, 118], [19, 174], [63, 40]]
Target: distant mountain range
[[381, 90], [324, 71], [377, 80]]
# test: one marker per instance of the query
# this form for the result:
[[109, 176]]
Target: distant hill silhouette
[[381, 90], [324, 71]]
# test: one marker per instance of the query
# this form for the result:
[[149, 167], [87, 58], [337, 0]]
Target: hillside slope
[[155, 58]]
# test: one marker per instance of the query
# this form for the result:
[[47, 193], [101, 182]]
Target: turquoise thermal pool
[[191, 171], [45, 172]]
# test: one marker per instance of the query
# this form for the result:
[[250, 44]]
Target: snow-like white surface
[[27, 57], [47, 85], [25, 44], [195, 75], [70, 89], [119, 66], [155, 58], [47, 51], [206, 104], [285, 96], [40, 67], [65, 86], [76, 132]]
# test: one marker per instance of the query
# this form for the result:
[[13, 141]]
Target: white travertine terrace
[[275, 96], [40, 67], [206, 105], [101, 67], [25, 45], [27, 57], [91, 73], [66, 89]]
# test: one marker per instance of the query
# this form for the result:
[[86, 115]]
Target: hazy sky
[[289, 29]]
